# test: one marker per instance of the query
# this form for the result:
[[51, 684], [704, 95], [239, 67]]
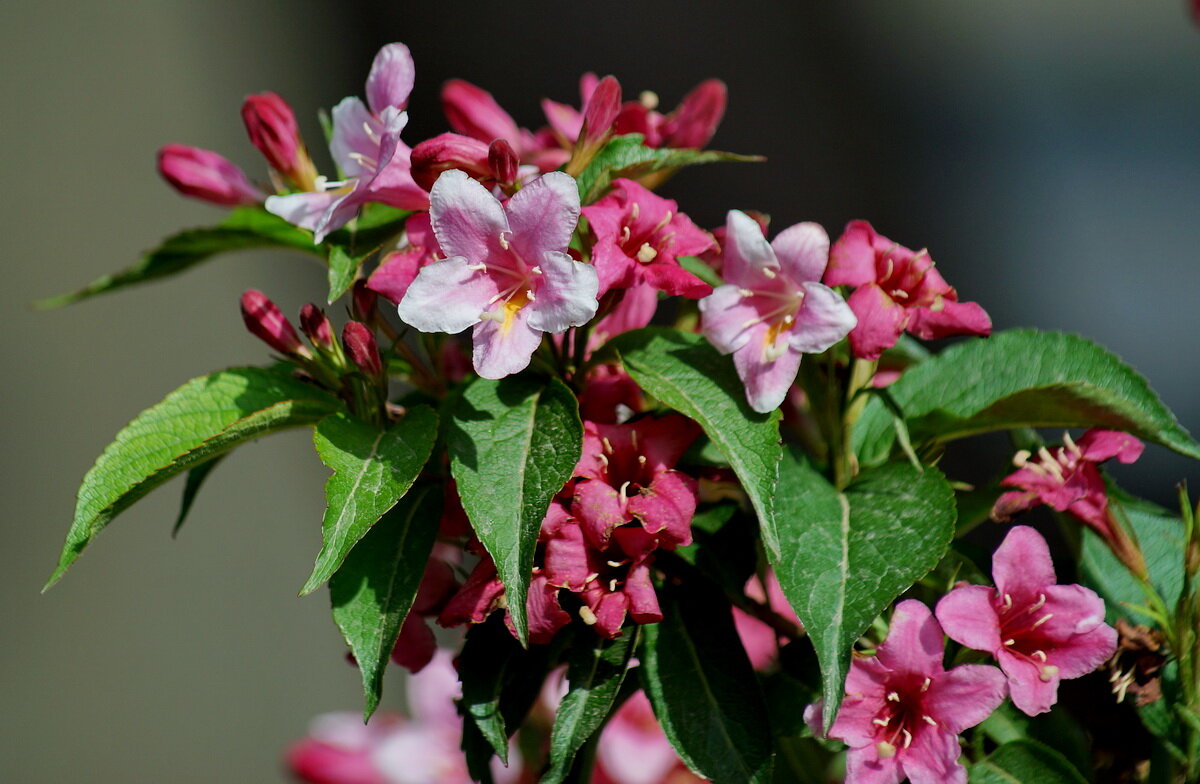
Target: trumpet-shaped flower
[[903, 711], [1039, 632], [507, 273], [898, 290], [206, 175], [772, 309]]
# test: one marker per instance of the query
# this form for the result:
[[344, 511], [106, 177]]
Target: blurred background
[[1046, 153]]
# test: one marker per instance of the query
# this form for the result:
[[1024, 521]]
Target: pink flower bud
[[698, 115], [601, 110], [316, 326], [363, 300], [205, 175], [264, 319], [502, 161], [273, 130], [449, 151], [360, 345]]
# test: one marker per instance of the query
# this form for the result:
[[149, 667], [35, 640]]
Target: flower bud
[[315, 324], [502, 161], [698, 115], [205, 175], [265, 321], [600, 111], [360, 345], [363, 302], [273, 130], [449, 151]]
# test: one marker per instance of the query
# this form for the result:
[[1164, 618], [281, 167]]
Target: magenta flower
[[399, 268], [772, 310], [1039, 632], [472, 111], [507, 272], [206, 175], [898, 290], [639, 239], [691, 124], [903, 711]]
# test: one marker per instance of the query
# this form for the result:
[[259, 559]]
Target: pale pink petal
[[951, 318], [500, 349], [914, 641], [467, 220], [933, 759], [968, 616], [390, 81], [543, 215], [965, 696], [447, 296], [746, 250], [726, 315], [823, 320], [852, 258], [880, 321], [303, 209], [863, 766], [633, 750], [767, 381], [803, 251], [758, 638], [432, 692], [355, 138], [567, 297], [1021, 565]]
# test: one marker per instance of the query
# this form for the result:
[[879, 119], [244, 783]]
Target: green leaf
[[375, 587], [1025, 762], [683, 371], [244, 228], [513, 444], [204, 418], [595, 675], [626, 156], [372, 470], [701, 270], [343, 269], [195, 479], [846, 556], [1020, 378], [703, 688]]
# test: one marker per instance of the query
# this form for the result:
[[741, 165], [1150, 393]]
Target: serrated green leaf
[[1020, 378], [372, 470], [193, 483], [513, 444], [840, 564], [343, 269], [703, 689], [627, 156], [244, 228], [595, 674], [1025, 762], [204, 418], [683, 371], [375, 587]]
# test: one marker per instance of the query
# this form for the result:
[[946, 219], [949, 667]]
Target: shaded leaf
[[1025, 762], [195, 479]]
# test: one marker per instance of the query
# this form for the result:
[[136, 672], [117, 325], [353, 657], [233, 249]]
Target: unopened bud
[[600, 111], [449, 151], [502, 161], [266, 322], [363, 301], [273, 130], [205, 175], [360, 345], [698, 115], [315, 324]]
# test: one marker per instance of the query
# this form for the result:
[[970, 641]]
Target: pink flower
[[472, 111], [1038, 631], [205, 175], [760, 639], [903, 711], [399, 268], [772, 310], [507, 272], [272, 127], [639, 238], [898, 290], [691, 124], [634, 750]]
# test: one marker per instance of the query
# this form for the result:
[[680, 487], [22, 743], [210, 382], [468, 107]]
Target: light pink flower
[[639, 239], [507, 272], [634, 750], [1039, 632], [206, 175], [898, 290], [903, 711], [772, 310]]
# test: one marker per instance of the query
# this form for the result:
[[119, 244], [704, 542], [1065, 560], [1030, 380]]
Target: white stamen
[[536, 270], [641, 460], [899, 294], [1021, 458], [623, 487], [881, 722], [745, 292], [1007, 602], [1048, 673], [1039, 655], [612, 585], [634, 211], [608, 447], [1070, 444], [587, 616], [1009, 643], [893, 696], [625, 233], [1042, 620], [907, 738], [925, 686], [615, 564], [481, 267], [885, 750], [503, 241], [770, 273], [529, 295], [662, 223], [646, 253], [492, 315], [648, 99], [929, 720]]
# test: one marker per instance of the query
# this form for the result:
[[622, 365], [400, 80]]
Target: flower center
[[901, 719]]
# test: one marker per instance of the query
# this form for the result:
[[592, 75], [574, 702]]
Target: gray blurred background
[[1046, 153]]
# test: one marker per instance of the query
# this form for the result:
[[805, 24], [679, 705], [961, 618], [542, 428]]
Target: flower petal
[[933, 758], [390, 81], [767, 381], [666, 507], [1021, 565], [543, 215], [880, 321], [725, 315], [355, 137], [473, 111], [467, 220], [914, 641], [863, 766], [968, 616], [952, 318], [567, 297], [746, 250], [303, 209], [965, 696], [803, 251], [447, 296], [852, 258], [1099, 445], [500, 349], [823, 320]]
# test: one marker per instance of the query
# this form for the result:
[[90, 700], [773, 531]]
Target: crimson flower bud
[[205, 175], [273, 130], [698, 115], [600, 111], [264, 319], [359, 343], [502, 161], [315, 324], [363, 300], [448, 151]]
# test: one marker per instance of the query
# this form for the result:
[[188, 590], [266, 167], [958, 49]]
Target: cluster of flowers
[[495, 243]]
